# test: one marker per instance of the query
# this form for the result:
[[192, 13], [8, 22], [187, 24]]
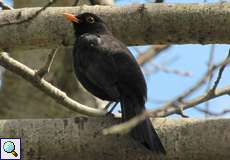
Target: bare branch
[[149, 23], [199, 83], [165, 110], [31, 17], [125, 127], [210, 65], [211, 113], [176, 106], [167, 70], [151, 53], [221, 70], [180, 111], [56, 139], [55, 93], [46, 68]]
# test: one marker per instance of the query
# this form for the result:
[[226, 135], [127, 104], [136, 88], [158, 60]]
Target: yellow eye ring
[[90, 19]]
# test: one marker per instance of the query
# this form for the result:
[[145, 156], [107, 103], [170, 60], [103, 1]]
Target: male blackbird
[[108, 70]]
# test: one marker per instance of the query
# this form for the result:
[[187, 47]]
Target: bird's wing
[[103, 75], [101, 70], [130, 75], [128, 71]]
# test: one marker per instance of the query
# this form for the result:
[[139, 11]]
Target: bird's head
[[87, 23]]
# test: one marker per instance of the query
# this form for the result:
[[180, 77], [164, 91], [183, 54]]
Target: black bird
[[108, 70]]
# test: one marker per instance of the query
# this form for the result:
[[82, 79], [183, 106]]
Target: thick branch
[[81, 137], [30, 75], [144, 24]]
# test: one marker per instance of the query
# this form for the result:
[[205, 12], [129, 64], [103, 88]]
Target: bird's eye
[[90, 19]]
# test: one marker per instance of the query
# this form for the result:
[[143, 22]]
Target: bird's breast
[[89, 40]]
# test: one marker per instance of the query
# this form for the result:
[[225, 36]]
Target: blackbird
[[107, 69]]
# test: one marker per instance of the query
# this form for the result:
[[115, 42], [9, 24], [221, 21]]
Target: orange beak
[[71, 17]]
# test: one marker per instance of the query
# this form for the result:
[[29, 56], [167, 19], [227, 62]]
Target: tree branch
[[211, 113], [150, 23], [46, 68], [151, 53], [31, 17], [61, 97], [59, 139], [162, 68], [210, 66], [58, 95], [221, 70], [165, 110], [176, 105], [199, 83]]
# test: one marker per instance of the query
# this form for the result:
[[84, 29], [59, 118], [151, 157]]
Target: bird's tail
[[144, 132]]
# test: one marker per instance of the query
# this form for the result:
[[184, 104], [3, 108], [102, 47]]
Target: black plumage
[[108, 70]]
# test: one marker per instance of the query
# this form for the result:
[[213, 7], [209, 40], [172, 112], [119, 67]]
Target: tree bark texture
[[81, 138], [143, 24], [19, 99]]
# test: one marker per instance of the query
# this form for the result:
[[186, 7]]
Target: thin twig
[[46, 87], [175, 106], [167, 70], [196, 86], [125, 127], [46, 68], [199, 83], [151, 53], [221, 70], [210, 64], [30, 17], [211, 113], [163, 111]]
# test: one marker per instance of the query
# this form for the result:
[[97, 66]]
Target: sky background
[[192, 58]]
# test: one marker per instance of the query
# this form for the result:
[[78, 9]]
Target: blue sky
[[193, 58]]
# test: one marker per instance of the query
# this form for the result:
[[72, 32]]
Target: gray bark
[[143, 24], [81, 138], [60, 3], [19, 99]]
